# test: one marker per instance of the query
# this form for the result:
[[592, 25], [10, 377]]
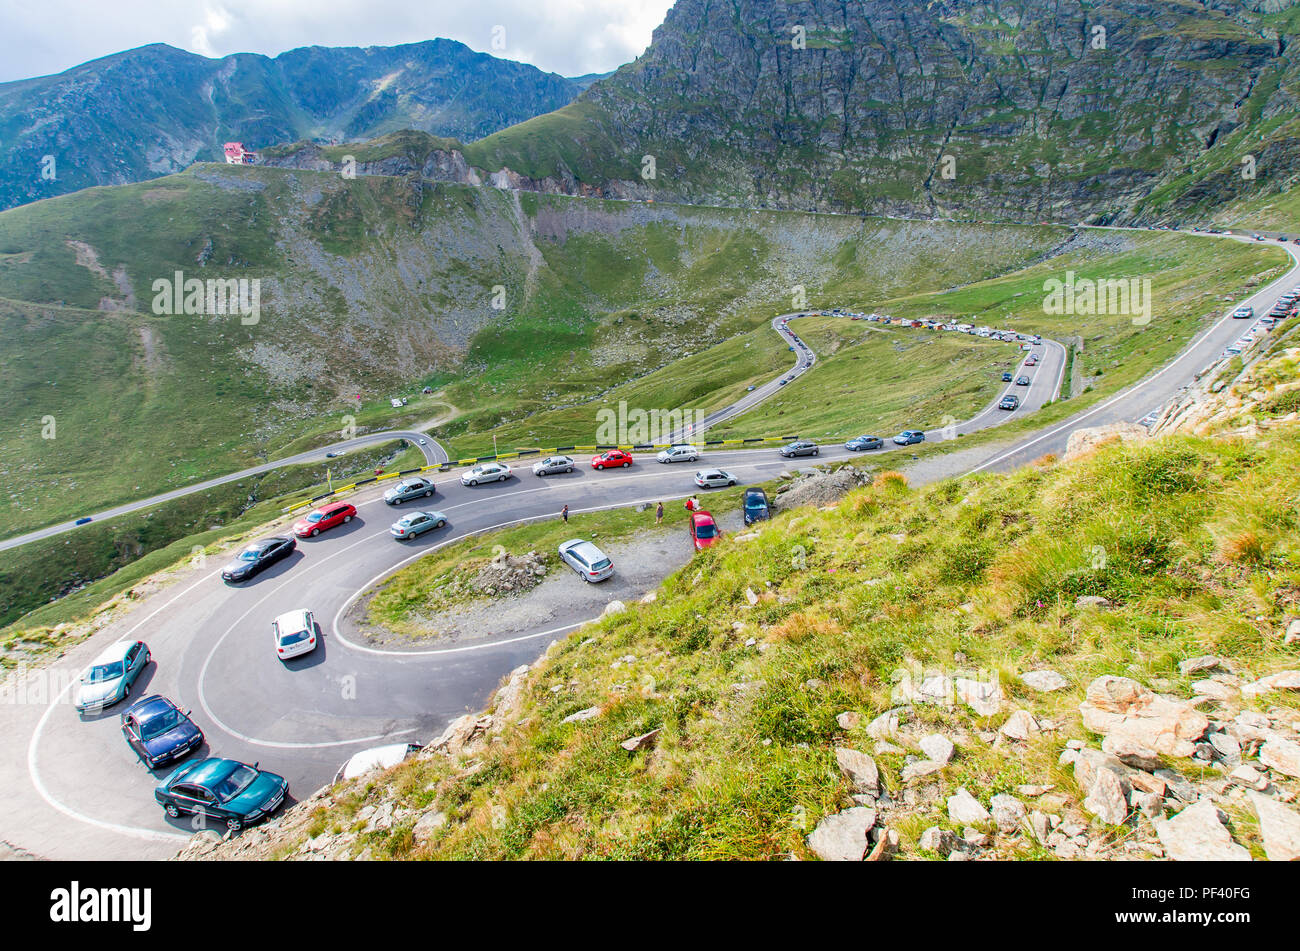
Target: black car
[[1022, 381], [159, 731], [1010, 401], [755, 505], [801, 448], [258, 556]]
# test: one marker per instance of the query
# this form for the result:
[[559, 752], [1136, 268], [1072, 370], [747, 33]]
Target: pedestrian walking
[[564, 514], [659, 514]]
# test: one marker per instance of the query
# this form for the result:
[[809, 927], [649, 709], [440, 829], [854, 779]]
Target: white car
[[294, 634], [487, 472], [679, 454], [707, 478], [377, 757], [110, 675], [586, 559]]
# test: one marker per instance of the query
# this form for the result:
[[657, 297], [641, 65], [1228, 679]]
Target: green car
[[222, 790]]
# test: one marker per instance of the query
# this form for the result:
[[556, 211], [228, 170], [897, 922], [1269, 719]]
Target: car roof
[[293, 620], [210, 771], [377, 757], [149, 706], [113, 652], [702, 518]]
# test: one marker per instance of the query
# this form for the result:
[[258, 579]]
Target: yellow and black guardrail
[[520, 453]]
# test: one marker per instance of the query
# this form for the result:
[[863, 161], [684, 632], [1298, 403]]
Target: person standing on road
[[659, 513], [564, 514]]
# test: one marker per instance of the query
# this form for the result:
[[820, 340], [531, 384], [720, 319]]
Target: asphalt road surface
[[74, 789]]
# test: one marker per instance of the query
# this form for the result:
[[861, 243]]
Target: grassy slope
[[1200, 556]]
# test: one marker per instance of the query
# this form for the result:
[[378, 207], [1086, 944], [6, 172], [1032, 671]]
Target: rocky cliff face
[[156, 110], [1030, 109]]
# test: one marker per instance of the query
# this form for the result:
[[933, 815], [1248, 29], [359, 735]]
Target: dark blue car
[[755, 505], [159, 731]]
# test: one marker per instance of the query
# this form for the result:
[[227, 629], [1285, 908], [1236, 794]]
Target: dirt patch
[[819, 487], [561, 598]]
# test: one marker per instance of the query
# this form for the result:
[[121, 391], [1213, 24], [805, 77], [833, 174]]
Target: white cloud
[[570, 37]]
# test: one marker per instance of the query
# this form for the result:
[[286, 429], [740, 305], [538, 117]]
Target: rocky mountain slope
[[1023, 110], [155, 110], [1096, 657]]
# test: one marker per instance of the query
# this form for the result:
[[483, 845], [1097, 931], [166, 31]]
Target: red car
[[611, 459], [704, 530], [327, 516]]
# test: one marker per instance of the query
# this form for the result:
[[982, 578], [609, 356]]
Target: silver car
[[408, 489], [487, 472], [552, 465], [679, 454], [586, 559], [711, 478]]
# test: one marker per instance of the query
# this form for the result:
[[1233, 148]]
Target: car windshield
[[601, 565], [238, 780], [754, 502], [250, 554], [315, 516], [102, 672], [157, 726], [704, 531], [294, 638]]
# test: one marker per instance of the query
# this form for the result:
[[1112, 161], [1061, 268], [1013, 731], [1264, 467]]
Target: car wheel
[[600, 468], [570, 469], [347, 518], [441, 523], [473, 481], [233, 825], [815, 451], [731, 482], [626, 464], [429, 493], [172, 811], [315, 532]]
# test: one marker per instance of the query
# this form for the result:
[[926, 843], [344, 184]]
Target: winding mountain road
[[75, 790]]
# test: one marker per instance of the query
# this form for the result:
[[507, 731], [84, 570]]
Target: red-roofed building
[[236, 154]]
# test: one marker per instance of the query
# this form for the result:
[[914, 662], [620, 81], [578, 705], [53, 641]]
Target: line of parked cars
[[160, 733]]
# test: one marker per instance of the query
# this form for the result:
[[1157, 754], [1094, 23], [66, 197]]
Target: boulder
[[935, 839], [1090, 601], [1281, 755], [1195, 665], [1044, 681], [1130, 752], [1119, 705], [590, 713], [1198, 835], [1021, 725], [924, 767], [983, 698], [936, 747], [1279, 827], [427, 824], [632, 744], [843, 836], [859, 768], [965, 809], [614, 607], [886, 725], [1007, 811], [1107, 798], [1286, 680], [848, 720]]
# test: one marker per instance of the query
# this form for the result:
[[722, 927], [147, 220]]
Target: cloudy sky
[[570, 37]]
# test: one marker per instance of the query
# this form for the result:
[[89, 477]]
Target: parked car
[[1006, 376], [802, 447], [1010, 401], [1244, 312], [909, 437], [1022, 381], [487, 472], [416, 523], [377, 757], [408, 489], [704, 530], [862, 443], [678, 454], [586, 559], [713, 478], [258, 557], [224, 790], [552, 465], [325, 517], [755, 505], [110, 675], [159, 731], [613, 458], [294, 633]]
